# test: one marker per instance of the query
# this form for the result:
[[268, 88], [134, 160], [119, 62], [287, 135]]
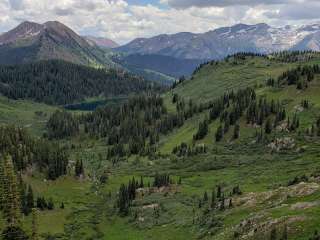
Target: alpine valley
[[185, 136]]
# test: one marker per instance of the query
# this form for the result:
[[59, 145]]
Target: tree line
[[127, 193], [300, 76], [59, 82]]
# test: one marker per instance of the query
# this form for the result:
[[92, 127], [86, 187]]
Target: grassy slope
[[23, 113], [253, 167], [213, 80]]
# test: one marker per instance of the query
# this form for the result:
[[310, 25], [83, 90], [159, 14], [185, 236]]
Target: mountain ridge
[[220, 42]]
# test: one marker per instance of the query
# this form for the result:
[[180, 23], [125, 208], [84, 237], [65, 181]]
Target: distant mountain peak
[[31, 41], [28, 23], [102, 42], [56, 25], [29, 29], [22, 31]]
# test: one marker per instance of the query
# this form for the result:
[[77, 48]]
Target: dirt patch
[[167, 189], [151, 206], [250, 227], [304, 205], [303, 189], [278, 196]]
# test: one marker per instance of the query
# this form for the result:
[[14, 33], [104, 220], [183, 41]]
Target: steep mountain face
[[101, 42], [51, 40], [221, 42]]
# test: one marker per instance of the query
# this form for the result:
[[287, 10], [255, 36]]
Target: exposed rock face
[[262, 221], [280, 144]]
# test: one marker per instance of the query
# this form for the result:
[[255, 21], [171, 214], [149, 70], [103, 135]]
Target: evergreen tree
[[2, 182], [236, 133], [219, 134], [11, 204], [268, 126], [230, 203], [50, 204], [202, 131], [161, 180], [35, 223], [123, 200], [213, 200], [42, 203], [14, 233], [62, 124], [222, 204], [30, 200], [141, 185], [219, 192], [285, 233], [79, 169], [273, 234], [205, 197], [236, 190], [23, 197]]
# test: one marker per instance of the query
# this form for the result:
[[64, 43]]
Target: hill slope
[[164, 64], [59, 82], [214, 78]]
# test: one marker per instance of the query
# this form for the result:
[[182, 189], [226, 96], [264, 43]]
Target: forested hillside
[[59, 82], [170, 66], [231, 153]]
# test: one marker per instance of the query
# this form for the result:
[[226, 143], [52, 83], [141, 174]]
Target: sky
[[125, 20]]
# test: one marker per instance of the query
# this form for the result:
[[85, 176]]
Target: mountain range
[[158, 58], [216, 44]]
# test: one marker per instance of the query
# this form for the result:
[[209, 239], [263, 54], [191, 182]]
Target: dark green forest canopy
[[26, 151], [59, 82]]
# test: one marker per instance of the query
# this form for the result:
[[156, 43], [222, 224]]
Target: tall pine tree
[[11, 203]]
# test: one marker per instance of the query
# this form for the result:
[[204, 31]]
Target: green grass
[[213, 80], [24, 113]]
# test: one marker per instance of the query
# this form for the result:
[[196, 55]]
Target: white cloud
[[301, 11], [123, 22], [224, 3]]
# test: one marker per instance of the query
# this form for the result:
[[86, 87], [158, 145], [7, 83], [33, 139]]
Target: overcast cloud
[[123, 21]]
